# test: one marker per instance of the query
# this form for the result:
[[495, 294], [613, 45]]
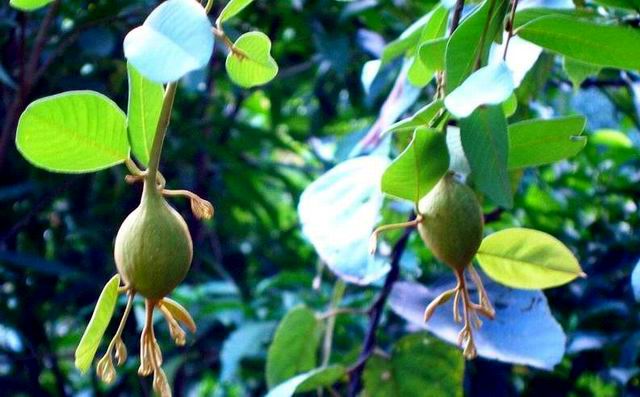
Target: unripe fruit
[[153, 249], [452, 222]]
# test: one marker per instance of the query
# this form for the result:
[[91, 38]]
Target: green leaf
[[578, 71], [586, 41], [294, 346], [100, 319], [432, 53], [527, 259], [308, 381], [254, 66], [486, 145], [628, 4], [419, 365], [529, 14], [468, 44], [232, 9], [510, 106], [417, 170], [77, 131], [537, 142], [29, 5], [407, 40], [421, 118], [143, 113], [419, 74]]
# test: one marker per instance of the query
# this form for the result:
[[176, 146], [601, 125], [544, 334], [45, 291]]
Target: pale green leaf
[[527, 259], [232, 9], [100, 319], [419, 73], [29, 5], [527, 15], [586, 41], [73, 132], [578, 71], [294, 345], [510, 106], [539, 141], [254, 65], [486, 145], [422, 118], [309, 381], [417, 170], [143, 113], [432, 53]]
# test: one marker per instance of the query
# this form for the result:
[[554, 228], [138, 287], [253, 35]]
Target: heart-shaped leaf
[[73, 132], [174, 40], [527, 259], [252, 65], [232, 9]]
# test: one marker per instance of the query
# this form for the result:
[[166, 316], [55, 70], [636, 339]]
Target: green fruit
[[452, 222], [153, 249]]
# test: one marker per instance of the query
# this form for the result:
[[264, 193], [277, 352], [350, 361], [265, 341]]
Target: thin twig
[[510, 23]]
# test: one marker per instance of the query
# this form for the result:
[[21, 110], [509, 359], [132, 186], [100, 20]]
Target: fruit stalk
[[161, 130]]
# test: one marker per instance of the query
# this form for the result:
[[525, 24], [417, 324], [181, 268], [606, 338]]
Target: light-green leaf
[[254, 66], [578, 71], [294, 346], [527, 259], [538, 141], [29, 5], [232, 9], [73, 132], [417, 170], [100, 319], [486, 145], [421, 118], [432, 53], [419, 73], [586, 41], [308, 381], [419, 365], [143, 113]]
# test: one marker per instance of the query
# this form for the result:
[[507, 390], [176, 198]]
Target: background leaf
[[100, 319], [232, 9], [317, 378], [635, 282], [77, 131], [527, 259], [255, 66], [29, 5]]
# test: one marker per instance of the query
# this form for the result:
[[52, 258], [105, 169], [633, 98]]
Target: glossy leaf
[[174, 40], [232, 9], [294, 346], [527, 259], [524, 332], [254, 66], [422, 118], [486, 145], [143, 113], [419, 73], [100, 319], [432, 53], [29, 5], [586, 41], [539, 141], [73, 132], [308, 381], [521, 57], [578, 71], [490, 85], [418, 362], [417, 170]]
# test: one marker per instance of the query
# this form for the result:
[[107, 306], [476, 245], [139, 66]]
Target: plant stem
[[161, 130], [457, 14], [336, 297], [512, 18]]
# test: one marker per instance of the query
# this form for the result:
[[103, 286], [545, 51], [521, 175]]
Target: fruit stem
[[161, 130], [373, 240]]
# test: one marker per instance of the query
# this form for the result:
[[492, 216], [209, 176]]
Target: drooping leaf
[[469, 46], [254, 65], [490, 85], [232, 9], [308, 381], [538, 141], [635, 281], [338, 212], [419, 365], [527, 259], [524, 331], [143, 113], [294, 346], [174, 40], [73, 132], [179, 313], [486, 145], [100, 319], [29, 5], [586, 41], [578, 71], [421, 118], [417, 170]]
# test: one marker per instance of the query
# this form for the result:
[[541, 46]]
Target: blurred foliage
[[252, 153]]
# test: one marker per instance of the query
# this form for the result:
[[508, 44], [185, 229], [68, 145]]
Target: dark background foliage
[[252, 153]]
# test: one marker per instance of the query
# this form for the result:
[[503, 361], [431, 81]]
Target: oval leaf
[[174, 40], [77, 131], [308, 381], [253, 65], [100, 319], [527, 259], [145, 104], [29, 5], [232, 9]]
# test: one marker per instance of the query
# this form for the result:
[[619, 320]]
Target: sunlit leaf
[[578, 71], [527, 259], [308, 381], [232, 9], [432, 53], [421, 118], [29, 5], [419, 73], [100, 319], [253, 65], [73, 132]]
